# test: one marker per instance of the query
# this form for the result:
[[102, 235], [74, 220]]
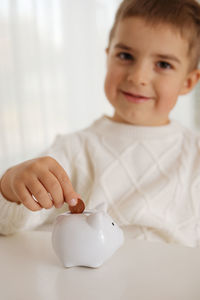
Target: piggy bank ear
[[95, 220], [102, 207]]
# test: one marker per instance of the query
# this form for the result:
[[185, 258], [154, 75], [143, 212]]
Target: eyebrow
[[162, 56]]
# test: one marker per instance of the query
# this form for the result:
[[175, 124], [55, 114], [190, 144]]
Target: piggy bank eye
[[113, 224]]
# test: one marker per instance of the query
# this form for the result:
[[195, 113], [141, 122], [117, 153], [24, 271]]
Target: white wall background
[[52, 68]]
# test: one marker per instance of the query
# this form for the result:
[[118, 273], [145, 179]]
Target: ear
[[102, 207], [95, 220], [190, 82], [107, 50]]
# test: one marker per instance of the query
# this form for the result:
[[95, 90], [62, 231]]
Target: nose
[[138, 75]]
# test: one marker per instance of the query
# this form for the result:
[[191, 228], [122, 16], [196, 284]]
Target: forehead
[[137, 33]]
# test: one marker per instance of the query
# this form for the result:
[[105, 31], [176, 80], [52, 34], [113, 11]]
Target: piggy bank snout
[[121, 239], [116, 236]]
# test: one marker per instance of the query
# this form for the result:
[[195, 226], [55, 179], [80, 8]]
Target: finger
[[52, 185], [24, 197], [70, 196], [40, 193]]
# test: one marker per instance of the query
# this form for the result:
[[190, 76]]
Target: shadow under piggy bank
[[86, 239]]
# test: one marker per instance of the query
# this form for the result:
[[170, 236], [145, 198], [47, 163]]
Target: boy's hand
[[44, 178]]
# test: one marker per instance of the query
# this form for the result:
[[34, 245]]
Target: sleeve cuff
[[16, 217]]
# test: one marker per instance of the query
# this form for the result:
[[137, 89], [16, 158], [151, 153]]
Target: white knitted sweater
[[149, 176]]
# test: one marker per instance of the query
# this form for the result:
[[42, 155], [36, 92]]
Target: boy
[[146, 166]]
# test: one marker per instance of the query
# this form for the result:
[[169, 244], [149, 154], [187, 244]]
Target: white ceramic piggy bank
[[86, 239]]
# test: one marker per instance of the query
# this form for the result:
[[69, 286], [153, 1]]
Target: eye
[[124, 56], [164, 65], [113, 224]]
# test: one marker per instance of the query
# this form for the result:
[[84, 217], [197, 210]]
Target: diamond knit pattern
[[142, 179]]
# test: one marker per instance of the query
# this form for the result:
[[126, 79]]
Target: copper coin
[[78, 208]]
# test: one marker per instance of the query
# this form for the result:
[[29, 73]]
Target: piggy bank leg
[[68, 265], [95, 266]]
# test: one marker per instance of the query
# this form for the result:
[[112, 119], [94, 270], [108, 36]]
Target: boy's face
[[151, 62]]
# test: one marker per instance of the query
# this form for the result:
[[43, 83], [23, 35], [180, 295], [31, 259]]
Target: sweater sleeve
[[15, 217]]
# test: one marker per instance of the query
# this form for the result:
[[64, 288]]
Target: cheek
[[107, 83], [111, 82], [168, 93]]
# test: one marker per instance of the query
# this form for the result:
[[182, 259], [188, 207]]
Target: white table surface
[[29, 269]]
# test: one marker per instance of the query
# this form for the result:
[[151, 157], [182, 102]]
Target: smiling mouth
[[135, 98]]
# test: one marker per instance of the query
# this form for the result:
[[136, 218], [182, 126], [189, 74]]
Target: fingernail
[[73, 202]]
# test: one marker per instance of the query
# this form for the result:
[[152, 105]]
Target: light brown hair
[[182, 15]]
